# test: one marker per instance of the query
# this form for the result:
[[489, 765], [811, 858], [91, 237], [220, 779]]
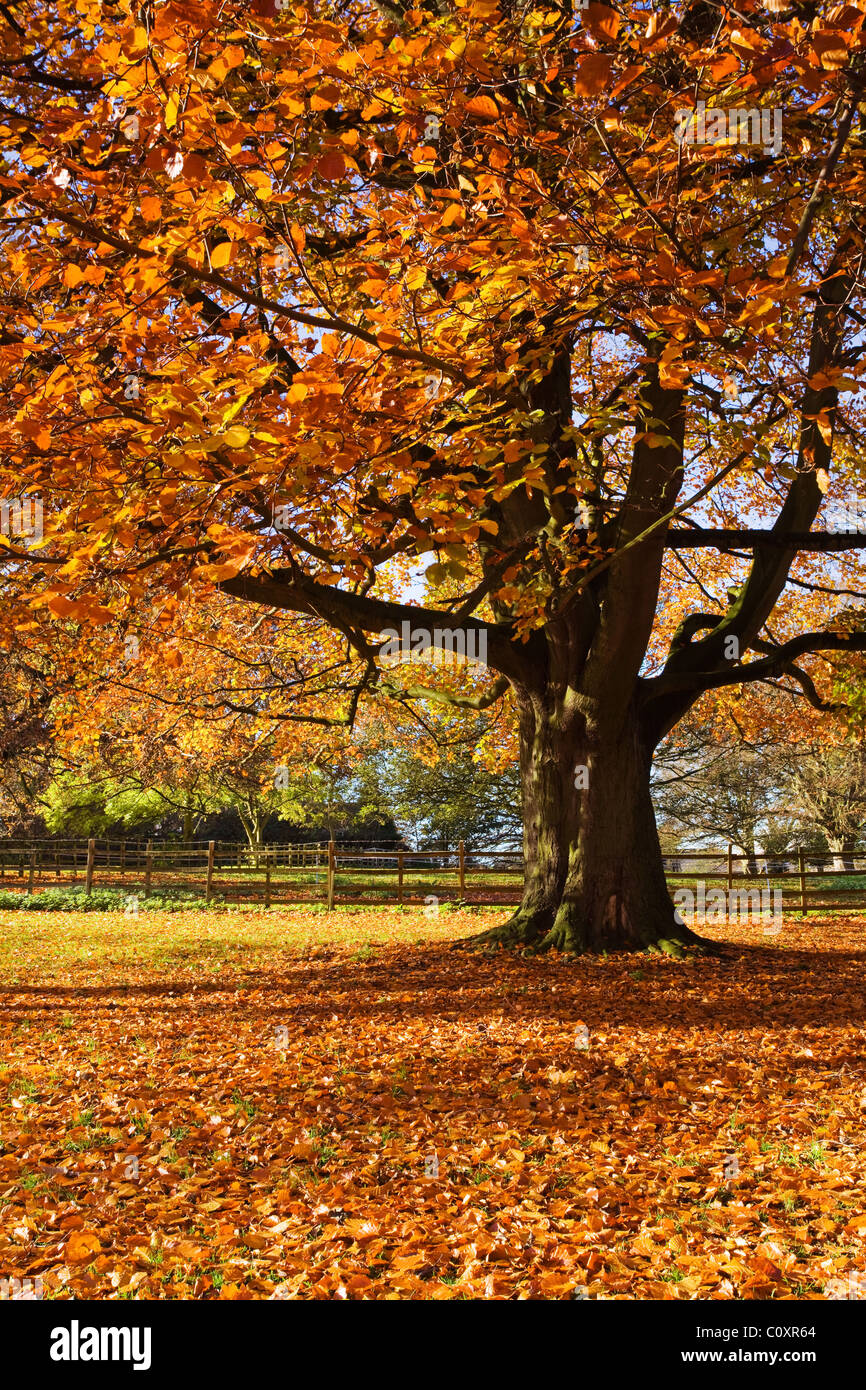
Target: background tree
[[438, 803], [726, 795], [829, 785]]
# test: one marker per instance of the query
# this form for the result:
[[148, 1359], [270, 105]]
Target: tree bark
[[593, 871], [842, 848]]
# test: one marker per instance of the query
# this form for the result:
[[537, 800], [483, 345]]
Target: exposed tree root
[[524, 930], [535, 933]]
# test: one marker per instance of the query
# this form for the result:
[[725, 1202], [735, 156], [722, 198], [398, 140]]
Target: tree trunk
[[593, 876], [842, 848], [248, 827]]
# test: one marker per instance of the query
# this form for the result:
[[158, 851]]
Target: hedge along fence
[[333, 875]]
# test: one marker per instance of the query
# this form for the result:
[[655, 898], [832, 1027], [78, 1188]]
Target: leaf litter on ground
[[300, 1105]]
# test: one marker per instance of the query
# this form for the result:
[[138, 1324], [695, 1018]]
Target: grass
[[193, 941]]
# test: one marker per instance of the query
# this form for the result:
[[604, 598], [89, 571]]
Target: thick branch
[[294, 591], [718, 538], [777, 663], [445, 697]]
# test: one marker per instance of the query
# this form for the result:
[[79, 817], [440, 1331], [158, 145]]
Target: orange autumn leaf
[[332, 165], [592, 74], [484, 107], [602, 21], [82, 1246], [454, 214]]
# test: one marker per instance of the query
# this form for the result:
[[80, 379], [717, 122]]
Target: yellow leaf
[[236, 437], [296, 393], [416, 278], [454, 213], [221, 255], [171, 113], [261, 183]]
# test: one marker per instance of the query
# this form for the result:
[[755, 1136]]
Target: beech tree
[[465, 316], [829, 784]]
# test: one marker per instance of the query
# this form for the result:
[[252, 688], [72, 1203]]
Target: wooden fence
[[331, 874]]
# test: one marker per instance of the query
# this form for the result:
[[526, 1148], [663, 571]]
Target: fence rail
[[280, 874]]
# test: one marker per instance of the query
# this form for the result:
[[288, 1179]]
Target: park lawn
[[301, 1105]]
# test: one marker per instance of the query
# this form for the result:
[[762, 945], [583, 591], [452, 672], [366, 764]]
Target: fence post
[[730, 871], [461, 865], [88, 878], [57, 863], [332, 867], [267, 879], [210, 854], [148, 867], [32, 870], [74, 863], [400, 877], [123, 856], [803, 905]]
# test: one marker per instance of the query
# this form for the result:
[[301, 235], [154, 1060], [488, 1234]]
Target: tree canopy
[[468, 316]]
